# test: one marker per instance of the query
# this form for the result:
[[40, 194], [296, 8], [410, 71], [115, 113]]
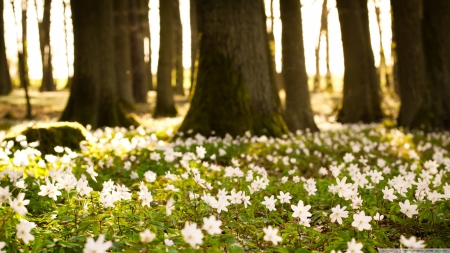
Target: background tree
[[66, 42], [194, 22], [145, 26], [234, 91], [383, 71], [323, 33], [178, 48], [93, 95], [140, 85], [165, 105], [298, 114], [361, 100], [23, 58], [122, 60], [47, 83], [5, 78]]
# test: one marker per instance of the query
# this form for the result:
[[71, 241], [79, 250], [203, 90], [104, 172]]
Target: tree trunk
[[361, 100], [66, 44], [383, 68], [5, 78], [140, 85], [48, 83], [234, 92], [122, 61], [145, 27], [23, 60], [194, 39], [436, 45], [178, 48], [165, 104], [323, 31], [298, 113], [93, 98]]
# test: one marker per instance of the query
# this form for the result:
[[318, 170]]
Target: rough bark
[[165, 104], [48, 83], [414, 95], [234, 92], [361, 100], [93, 98], [140, 85], [122, 59], [5, 78], [145, 27], [178, 48], [298, 113], [194, 39]]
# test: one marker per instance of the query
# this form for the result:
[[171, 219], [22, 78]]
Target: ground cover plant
[[353, 188]]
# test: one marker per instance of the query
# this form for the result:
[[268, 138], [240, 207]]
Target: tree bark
[[234, 92], [93, 98], [48, 83], [122, 61], [140, 85], [165, 104], [178, 48], [323, 31], [66, 44], [194, 39], [361, 100], [5, 78], [145, 26], [298, 113], [23, 60], [383, 68]]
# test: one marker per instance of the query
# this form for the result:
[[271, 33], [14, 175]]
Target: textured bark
[[145, 27], [140, 85], [414, 95], [298, 113], [234, 92], [48, 83], [5, 78], [194, 39], [122, 61], [361, 100], [165, 105], [93, 96], [178, 48]]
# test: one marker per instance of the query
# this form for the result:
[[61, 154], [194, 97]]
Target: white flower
[[378, 217], [361, 221], [284, 197], [408, 209], [338, 213], [150, 176], [4, 194], [192, 234], [168, 242], [301, 210], [389, 194], [270, 235], [99, 246], [147, 236], [2, 245], [354, 247], [236, 197], [412, 242], [170, 206], [201, 152], [82, 187], [19, 204], [211, 225], [49, 190], [269, 203], [23, 231]]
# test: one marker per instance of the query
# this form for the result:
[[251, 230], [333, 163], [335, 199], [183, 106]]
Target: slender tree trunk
[[48, 83], [165, 104], [414, 95], [361, 100], [178, 49], [93, 98], [122, 48], [66, 44], [140, 85], [145, 26], [328, 76], [323, 31], [194, 39], [23, 60], [298, 113], [5, 78], [234, 56], [383, 68]]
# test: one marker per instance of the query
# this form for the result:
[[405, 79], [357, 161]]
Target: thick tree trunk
[[178, 48], [414, 95], [122, 61], [93, 98], [140, 85], [361, 100], [145, 27], [234, 92], [436, 44], [165, 104], [5, 78], [48, 83], [298, 113], [194, 39]]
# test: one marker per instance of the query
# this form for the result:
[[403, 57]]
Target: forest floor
[[48, 106]]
